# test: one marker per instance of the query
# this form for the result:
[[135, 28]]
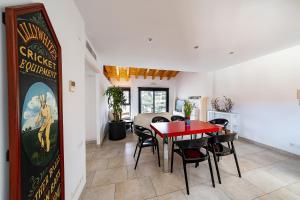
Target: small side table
[[129, 123]]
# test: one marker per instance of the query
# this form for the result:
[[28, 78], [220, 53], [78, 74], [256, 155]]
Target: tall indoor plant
[[116, 98]]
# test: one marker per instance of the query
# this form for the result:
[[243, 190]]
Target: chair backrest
[[220, 121], [177, 118], [192, 144], [141, 132], [223, 138], [159, 119]]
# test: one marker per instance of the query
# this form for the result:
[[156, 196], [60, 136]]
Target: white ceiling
[[119, 30]]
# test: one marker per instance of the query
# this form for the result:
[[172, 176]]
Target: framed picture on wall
[[36, 161]]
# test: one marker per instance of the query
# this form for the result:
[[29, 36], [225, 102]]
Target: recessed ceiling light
[[196, 47], [231, 52]]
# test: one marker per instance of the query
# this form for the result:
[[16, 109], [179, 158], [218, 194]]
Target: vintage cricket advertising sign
[[35, 105]]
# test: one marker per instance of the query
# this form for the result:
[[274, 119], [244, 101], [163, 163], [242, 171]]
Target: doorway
[[90, 103]]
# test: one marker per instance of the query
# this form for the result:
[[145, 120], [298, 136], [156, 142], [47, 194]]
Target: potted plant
[[117, 127], [187, 108]]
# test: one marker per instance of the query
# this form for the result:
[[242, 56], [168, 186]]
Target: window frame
[[153, 89], [127, 104], [127, 89]]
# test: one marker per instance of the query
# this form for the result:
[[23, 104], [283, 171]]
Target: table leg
[[166, 154]]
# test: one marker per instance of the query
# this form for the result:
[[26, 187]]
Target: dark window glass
[[126, 107], [147, 102], [153, 100]]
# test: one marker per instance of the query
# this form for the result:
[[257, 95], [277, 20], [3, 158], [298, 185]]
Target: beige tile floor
[[266, 175]]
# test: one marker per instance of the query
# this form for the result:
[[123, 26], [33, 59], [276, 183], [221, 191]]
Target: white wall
[[96, 103], [103, 83], [96, 106], [90, 104], [134, 83], [100, 105], [264, 92], [72, 40], [194, 84]]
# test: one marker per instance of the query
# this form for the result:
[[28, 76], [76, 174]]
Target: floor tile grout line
[[296, 182], [153, 186], [273, 192], [115, 191], [125, 166]]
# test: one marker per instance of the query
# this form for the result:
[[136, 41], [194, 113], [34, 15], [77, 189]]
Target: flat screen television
[[179, 105]]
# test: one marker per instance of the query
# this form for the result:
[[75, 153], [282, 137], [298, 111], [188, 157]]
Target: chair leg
[[137, 160], [211, 172], [135, 150], [153, 150], [172, 157], [158, 153], [236, 160], [216, 164], [186, 179], [155, 138]]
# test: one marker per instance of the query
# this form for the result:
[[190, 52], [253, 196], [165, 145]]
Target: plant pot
[[117, 130]]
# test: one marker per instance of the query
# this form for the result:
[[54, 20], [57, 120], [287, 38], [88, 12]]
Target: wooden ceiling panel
[[146, 73], [132, 71], [137, 73], [126, 73]]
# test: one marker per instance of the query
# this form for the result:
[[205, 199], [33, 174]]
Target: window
[[126, 106], [153, 100]]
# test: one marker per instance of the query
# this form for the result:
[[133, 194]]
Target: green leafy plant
[[187, 108], [116, 99]]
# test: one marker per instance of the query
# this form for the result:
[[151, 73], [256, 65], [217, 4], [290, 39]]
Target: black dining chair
[[218, 149], [220, 122], [145, 140], [159, 119], [177, 118], [192, 151]]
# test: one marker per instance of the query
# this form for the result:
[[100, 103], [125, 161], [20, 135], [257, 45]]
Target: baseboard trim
[[270, 147], [94, 141], [90, 142]]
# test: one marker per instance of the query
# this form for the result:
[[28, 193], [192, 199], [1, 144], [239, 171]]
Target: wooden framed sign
[[35, 105]]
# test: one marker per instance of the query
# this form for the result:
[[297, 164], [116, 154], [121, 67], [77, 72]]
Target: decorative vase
[[187, 120]]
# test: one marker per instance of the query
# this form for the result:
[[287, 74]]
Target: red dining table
[[178, 128]]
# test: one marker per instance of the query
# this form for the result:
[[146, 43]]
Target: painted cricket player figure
[[46, 118]]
